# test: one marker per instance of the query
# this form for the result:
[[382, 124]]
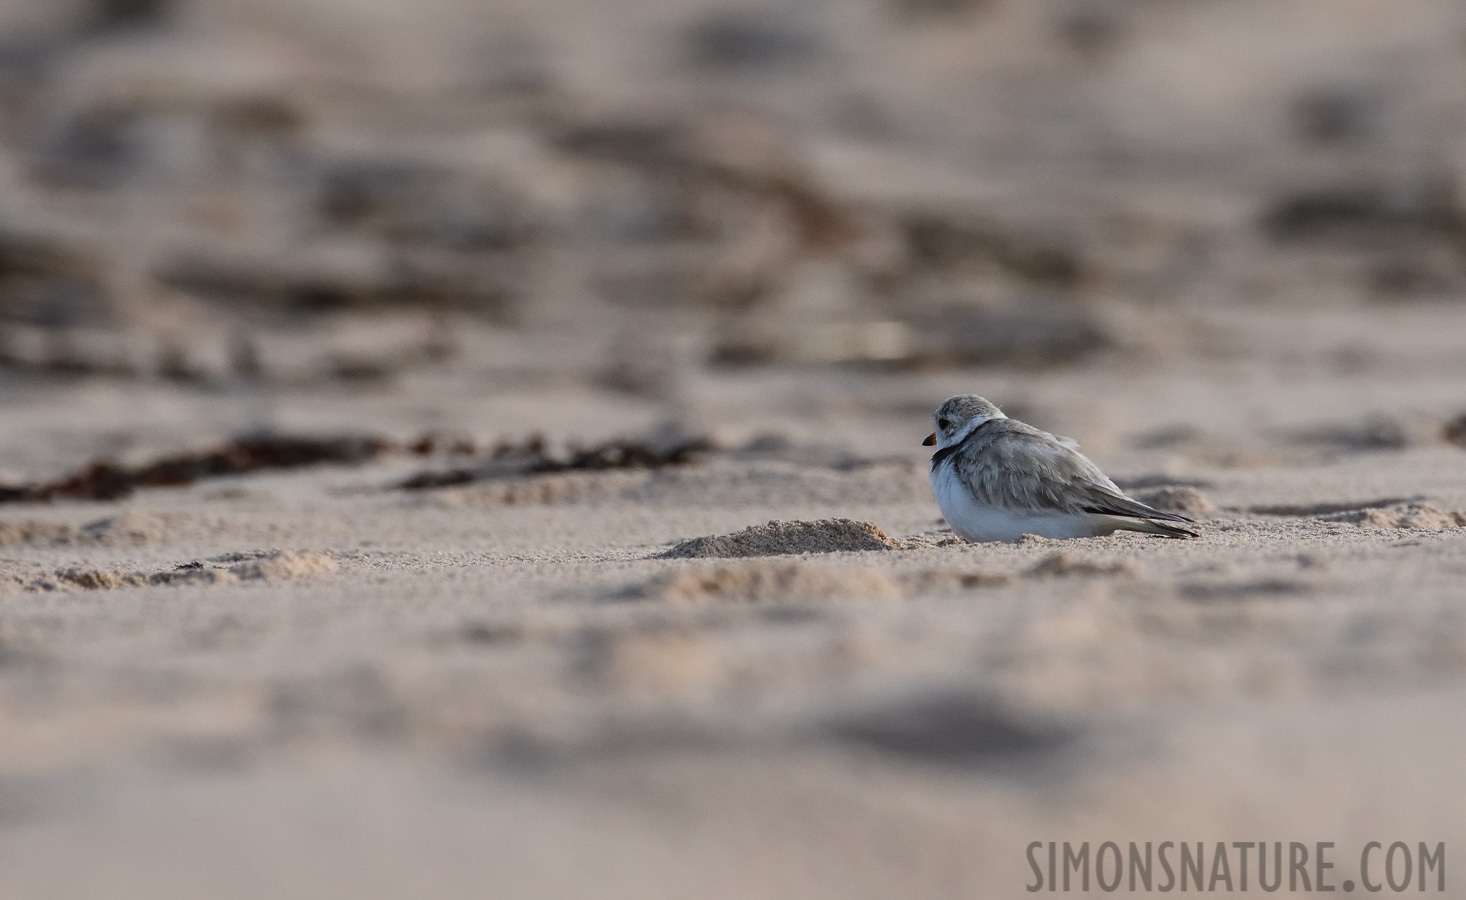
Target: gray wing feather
[[1016, 466]]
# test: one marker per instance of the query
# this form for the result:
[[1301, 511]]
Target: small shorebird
[[996, 479]]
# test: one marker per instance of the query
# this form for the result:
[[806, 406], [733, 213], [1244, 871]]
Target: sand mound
[[232, 567], [1187, 501], [930, 540], [777, 538], [96, 579], [1065, 564], [1412, 516], [763, 582], [90, 579], [285, 564], [193, 574]]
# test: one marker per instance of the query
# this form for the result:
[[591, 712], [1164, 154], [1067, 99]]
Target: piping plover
[[996, 479]]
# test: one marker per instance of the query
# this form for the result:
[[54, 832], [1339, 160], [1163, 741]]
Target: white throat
[[972, 425]]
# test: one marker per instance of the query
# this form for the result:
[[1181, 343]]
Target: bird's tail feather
[[1150, 526]]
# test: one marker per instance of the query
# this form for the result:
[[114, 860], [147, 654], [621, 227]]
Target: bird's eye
[[943, 424]]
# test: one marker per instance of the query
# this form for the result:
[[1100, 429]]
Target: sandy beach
[[475, 452]]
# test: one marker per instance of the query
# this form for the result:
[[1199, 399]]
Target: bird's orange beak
[[931, 440]]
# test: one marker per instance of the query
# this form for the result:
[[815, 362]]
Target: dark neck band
[[941, 455]]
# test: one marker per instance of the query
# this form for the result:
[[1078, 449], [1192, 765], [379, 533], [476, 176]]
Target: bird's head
[[957, 417]]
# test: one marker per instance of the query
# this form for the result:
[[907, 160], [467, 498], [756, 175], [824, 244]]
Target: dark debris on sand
[[1455, 431], [111, 481], [1368, 213], [532, 457], [103, 480]]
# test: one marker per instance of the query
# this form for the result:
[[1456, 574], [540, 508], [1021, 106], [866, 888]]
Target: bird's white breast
[[981, 522]]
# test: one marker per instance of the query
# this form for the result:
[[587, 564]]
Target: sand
[[455, 452], [788, 538]]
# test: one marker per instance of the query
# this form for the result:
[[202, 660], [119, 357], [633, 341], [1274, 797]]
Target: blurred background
[[1222, 242], [228, 194]]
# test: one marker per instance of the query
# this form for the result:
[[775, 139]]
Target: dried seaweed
[[532, 457], [425, 480], [1368, 215], [111, 481], [626, 454]]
